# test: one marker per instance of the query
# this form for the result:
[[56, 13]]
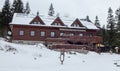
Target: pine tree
[[6, 17], [51, 10], [117, 38], [6, 13], [111, 27], [19, 7], [14, 5], [0, 19], [27, 10], [118, 19], [104, 35], [97, 23]]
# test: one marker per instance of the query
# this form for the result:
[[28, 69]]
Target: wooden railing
[[83, 39]]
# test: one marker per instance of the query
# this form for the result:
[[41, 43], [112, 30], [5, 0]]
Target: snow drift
[[22, 57]]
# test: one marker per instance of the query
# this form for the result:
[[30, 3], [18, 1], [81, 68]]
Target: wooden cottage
[[56, 32]]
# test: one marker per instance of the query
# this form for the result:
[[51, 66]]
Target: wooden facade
[[55, 34]]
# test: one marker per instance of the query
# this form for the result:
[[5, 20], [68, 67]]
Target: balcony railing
[[75, 39]]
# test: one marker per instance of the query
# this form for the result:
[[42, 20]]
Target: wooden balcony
[[76, 39]]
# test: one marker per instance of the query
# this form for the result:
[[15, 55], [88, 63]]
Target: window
[[76, 25], [32, 33], [21, 32], [35, 23], [57, 24], [71, 34], [61, 34], [52, 34], [39, 23], [90, 34], [81, 34], [42, 33]]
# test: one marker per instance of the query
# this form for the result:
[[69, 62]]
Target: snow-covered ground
[[21, 57]]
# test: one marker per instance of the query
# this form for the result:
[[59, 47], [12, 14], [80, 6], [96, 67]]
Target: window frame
[[61, 33], [42, 33], [52, 34], [21, 32], [32, 34], [81, 34]]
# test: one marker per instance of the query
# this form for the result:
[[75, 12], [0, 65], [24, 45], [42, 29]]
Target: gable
[[37, 20], [77, 23], [58, 22]]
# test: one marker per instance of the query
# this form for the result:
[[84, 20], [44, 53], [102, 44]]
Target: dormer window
[[76, 25], [57, 24], [36, 23], [39, 23], [37, 20]]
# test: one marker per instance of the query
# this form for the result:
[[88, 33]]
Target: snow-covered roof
[[88, 25], [24, 19]]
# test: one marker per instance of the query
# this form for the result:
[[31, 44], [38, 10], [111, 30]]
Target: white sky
[[74, 8]]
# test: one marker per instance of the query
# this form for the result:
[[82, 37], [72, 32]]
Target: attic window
[[57, 24], [36, 23], [76, 25]]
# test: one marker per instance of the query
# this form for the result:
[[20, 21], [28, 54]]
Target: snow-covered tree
[[97, 23], [117, 12], [27, 9], [14, 5], [51, 10], [117, 36]]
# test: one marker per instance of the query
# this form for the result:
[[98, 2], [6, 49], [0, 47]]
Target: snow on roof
[[67, 21], [25, 19], [48, 19], [88, 25]]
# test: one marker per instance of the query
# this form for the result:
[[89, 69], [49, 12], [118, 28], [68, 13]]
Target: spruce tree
[[111, 27], [97, 23], [104, 35], [27, 10], [14, 5], [19, 7], [117, 42], [0, 19], [6, 17], [6, 13], [51, 10]]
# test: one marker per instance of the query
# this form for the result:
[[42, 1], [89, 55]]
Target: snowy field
[[21, 57]]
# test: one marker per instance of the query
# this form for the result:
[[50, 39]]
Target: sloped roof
[[24, 19], [88, 25]]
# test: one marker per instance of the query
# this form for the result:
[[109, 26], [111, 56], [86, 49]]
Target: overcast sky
[[74, 8]]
